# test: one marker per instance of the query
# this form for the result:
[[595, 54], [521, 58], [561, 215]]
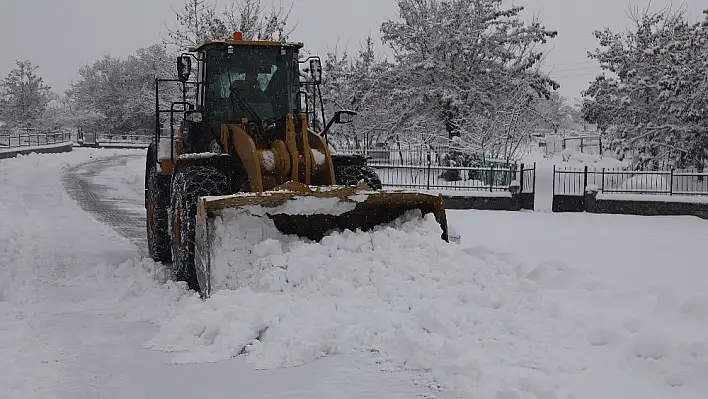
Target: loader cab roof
[[265, 43]]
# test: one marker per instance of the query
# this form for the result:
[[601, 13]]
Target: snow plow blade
[[312, 213]]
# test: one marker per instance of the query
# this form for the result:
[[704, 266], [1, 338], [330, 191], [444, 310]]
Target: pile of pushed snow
[[472, 320]]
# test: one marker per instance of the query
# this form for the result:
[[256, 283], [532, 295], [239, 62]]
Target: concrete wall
[[53, 149], [647, 208], [568, 203], [589, 203], [506, 203], [528, 201]]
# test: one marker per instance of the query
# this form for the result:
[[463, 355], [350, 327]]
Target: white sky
[[62, 35]]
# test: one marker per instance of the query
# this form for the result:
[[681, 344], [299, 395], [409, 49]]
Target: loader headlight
[[215, 147]]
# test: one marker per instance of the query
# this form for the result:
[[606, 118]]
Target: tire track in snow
[[119, 212]]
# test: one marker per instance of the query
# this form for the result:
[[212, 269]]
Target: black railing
[[426, 168], [32, 138], [414, 155], [573, 181], [456, 178], [141, 137]]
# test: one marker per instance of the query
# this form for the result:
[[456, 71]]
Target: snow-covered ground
[[529, 305], [78, 303]]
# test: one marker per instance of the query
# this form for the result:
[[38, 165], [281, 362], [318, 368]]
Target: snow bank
[[473, 321]]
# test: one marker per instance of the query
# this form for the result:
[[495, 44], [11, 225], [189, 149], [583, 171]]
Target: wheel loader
[[243, 134]]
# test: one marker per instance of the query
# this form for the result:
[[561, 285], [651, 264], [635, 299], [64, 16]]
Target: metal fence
[[32, 138], [136, 137], [573, 181], [423, 168], [125, 139], [414, 155]]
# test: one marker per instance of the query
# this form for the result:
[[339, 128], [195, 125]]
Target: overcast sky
[[62, 35]]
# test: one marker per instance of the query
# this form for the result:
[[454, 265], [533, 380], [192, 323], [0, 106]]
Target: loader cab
[[236, 80], [261, 77]]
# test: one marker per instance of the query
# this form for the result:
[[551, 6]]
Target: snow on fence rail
[[575, 181], [32, 138]]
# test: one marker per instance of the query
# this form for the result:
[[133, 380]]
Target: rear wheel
[[157, 202], [190, 183], [351, 175]]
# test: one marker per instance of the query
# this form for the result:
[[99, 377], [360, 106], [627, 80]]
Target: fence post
[[428, 182], [553, 192], [521, 179], [491, 177], [534, 179], [671, 182], [585, 179], [603, 180]]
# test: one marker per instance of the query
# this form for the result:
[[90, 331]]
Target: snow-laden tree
[[557, 115], [347, 84], [23, 96], [465, 71], [118, 96], [199, 20], [57, 114], [651, 99]]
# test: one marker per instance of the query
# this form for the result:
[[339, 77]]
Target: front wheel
[[190, 183], [157, 202]]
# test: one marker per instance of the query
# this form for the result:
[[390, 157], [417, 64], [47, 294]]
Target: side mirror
[[344, 116], [184, 67], [316, 70]]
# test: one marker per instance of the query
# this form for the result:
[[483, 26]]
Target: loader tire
[[190, 183], [351, 175], [157, 205]]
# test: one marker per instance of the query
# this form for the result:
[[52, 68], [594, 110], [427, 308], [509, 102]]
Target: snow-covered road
[[102, 188], [76, 297], [530, 305]]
